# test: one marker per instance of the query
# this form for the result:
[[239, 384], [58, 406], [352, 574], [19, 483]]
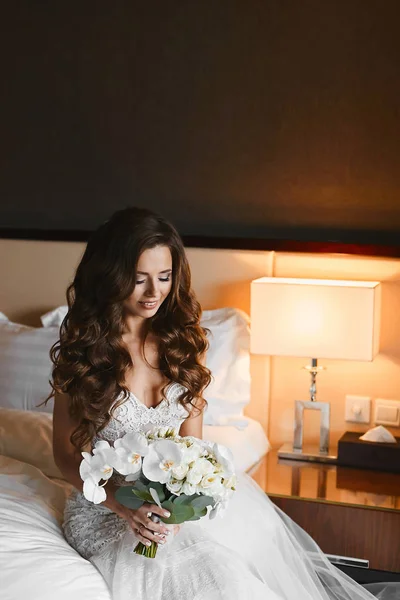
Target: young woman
[[130, 356]]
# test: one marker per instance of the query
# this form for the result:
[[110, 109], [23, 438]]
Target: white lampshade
[[315, 318]]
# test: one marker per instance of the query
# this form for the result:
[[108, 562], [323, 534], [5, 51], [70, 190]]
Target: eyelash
[[164, 280]]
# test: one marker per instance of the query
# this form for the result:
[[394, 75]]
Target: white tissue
[[378, 434]]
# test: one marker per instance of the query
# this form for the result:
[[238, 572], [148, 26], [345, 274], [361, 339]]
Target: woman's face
[[153, 282]]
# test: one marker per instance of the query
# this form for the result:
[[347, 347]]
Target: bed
[[35, 559]]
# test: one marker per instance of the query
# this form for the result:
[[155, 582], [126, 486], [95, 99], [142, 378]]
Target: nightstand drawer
[[351, 531]]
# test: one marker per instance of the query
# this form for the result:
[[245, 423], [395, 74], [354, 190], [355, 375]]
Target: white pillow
[[25, 365], [228, 359], [55, 317]]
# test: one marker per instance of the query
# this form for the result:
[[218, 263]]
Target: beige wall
[[34, 277]]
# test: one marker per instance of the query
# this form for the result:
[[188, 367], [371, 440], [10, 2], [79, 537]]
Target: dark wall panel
[[243, 119]]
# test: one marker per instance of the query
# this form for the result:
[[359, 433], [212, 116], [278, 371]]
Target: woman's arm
[[66, 456], [193, 425], [68, 459]]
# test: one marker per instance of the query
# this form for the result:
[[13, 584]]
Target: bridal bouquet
[[186, 476]]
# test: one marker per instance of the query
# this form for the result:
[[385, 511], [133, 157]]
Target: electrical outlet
[[358, 409], [387, 412]]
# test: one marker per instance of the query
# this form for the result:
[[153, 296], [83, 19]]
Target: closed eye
[[163, 279]]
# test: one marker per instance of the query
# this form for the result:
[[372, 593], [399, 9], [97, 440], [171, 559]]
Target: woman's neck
[[135, 329]]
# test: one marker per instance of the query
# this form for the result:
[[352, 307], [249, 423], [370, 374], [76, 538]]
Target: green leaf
[[179, 513], [184, 499], [199, 514], [202, 501], [125, 496], [159, 489], [143, 495], [139, 485]]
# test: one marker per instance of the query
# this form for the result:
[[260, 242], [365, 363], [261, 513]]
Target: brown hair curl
[[90, 359]]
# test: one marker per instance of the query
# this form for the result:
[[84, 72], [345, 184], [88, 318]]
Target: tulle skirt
[[254, 551]]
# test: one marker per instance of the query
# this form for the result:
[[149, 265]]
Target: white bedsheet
[[36, 562]]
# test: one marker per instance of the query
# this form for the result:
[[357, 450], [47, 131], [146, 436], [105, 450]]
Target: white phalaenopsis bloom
[[189, 489], [211, 484], [162, 458], [180, 471], [94, 468], [201, 467], [225, 458], [174, 486], [192, 451], [128, 454]]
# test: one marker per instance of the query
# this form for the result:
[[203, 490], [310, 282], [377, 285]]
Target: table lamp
[[318, 318]]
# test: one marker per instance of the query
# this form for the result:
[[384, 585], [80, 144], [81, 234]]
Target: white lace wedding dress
[[253, 552]]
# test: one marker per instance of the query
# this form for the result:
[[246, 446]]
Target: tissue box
[[353, 452]]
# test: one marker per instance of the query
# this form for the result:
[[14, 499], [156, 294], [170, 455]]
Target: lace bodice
[[133, 415]]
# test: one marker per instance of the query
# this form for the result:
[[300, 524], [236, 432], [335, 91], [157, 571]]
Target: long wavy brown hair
[[89, 359]]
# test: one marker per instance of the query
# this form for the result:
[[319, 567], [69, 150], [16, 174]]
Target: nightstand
[[352, 514]]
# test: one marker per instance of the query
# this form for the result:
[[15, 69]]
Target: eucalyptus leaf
[[184, 499], [143, 495], [202, 501], [199, 514], [139, 485], [159, 488], [125, 496], [179, 513], [154, 495]]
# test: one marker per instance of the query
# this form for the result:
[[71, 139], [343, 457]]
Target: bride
[[130, 356]]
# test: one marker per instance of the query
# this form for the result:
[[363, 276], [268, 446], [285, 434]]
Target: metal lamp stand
[[296, 451]]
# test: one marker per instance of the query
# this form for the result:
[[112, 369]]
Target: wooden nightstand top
[[328, 483]]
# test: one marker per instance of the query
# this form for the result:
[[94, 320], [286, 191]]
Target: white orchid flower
[[225, 458], [174, 486], [128, 454], [162, 458], [94, 468], [200, 468], [211, 484], [230, 482], [192, 453], [180, 471], [188, 489]]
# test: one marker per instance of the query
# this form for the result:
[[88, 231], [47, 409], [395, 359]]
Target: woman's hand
[[145, 529]]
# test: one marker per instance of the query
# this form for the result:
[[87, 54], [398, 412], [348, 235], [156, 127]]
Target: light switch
[[358, 409], [387, 412]]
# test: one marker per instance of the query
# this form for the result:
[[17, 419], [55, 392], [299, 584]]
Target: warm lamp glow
[[315, 318]]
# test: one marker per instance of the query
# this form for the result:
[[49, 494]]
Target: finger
[[153, 508], [159, 528], [149, 535], [142, 539], [146, 512]]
